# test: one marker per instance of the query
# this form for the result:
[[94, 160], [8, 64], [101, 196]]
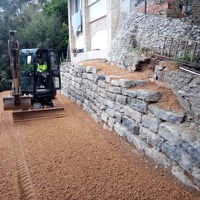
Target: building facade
[[92, 26], [92, 23]]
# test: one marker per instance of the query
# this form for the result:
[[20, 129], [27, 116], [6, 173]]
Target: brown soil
[[74, 158], [108, 69], [169, 100]]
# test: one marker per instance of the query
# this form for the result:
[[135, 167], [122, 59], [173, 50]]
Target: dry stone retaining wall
[[185, 85], [133, 113]]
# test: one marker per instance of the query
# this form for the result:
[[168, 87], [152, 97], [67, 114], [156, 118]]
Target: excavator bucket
[[24, 103]]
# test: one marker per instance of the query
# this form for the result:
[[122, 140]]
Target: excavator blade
[[24, 103], [26, 115]]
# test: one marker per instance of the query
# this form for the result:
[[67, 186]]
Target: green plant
[[137, 49], [178, 61], [186, 57]]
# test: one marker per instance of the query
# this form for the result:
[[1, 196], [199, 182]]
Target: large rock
[[169, 116]]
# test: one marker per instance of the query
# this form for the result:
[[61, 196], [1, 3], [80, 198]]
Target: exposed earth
[[74, 158], [169, 100]]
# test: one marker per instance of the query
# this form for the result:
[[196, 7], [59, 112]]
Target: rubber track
[[25, 183]]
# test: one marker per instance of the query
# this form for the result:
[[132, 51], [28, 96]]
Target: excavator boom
[[16, 100]]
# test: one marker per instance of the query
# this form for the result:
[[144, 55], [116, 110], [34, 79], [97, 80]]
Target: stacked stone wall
[[196, 12], [185, 85], [163, 135], [137, 31]]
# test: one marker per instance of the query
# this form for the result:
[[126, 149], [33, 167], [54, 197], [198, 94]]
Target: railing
[[186, 52]]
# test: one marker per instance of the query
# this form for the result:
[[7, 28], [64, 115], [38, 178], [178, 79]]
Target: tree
[[43, 31], [46, 28], [59, 7], [35, 28]]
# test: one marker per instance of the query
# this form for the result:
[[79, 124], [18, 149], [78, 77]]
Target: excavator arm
[[16, 101], [13, 47]]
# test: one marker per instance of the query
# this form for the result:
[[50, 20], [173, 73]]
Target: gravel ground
[[75, 158]]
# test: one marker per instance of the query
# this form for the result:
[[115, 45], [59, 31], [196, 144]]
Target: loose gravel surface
[[75, 158]]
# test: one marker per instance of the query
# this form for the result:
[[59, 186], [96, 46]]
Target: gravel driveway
[[75, 158]]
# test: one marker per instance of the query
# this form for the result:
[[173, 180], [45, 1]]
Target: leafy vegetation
[[38, 25]]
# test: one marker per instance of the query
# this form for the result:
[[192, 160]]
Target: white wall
[[127, 5], [99, 40], [97, 10], [80, 42]]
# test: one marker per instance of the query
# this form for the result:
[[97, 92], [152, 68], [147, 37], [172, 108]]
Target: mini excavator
[[33, 94]]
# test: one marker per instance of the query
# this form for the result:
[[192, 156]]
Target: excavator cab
[[42, 85]]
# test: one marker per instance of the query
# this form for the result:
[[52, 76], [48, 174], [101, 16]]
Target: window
[[76, 6], [97, 10]]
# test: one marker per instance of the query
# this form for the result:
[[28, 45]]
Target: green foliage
[[35, 28], [59, 7], [44, 31], [136, 50], [187, 57], [178, 61]]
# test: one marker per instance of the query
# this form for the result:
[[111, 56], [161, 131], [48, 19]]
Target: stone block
[[170, 132], [111, 77], [171, 151], [131, 125], [151, 122], [121, 99], [169, 116], [151, 138], [139, 144], [130, 93], [111, 121], [114, 82], [135, 115], [120, 130], [102, 92], [90, 77], [109, 103], [178, 172], [88, 69], [118, 116], [138, 104], [111, 96], [100, 77], [149, 96], [140, 83], [111, 111], [125, 83], [96, 118], [104, 116], [114, 89], [101, 83], [157, 156]]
